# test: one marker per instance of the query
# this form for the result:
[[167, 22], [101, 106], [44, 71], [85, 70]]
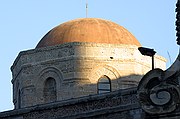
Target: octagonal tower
[[79, 58]]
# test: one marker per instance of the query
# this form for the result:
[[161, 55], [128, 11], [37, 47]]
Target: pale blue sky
[[24, 22]]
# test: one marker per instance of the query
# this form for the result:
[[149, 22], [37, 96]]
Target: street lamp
[[148, 52]]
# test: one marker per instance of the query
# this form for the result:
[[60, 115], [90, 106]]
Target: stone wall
[[120, 104], [76, 68]]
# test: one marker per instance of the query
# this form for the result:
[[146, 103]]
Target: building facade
[[67, 64], [84, 68]]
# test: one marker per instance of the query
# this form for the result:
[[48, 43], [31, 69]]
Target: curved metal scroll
[[159, 91]]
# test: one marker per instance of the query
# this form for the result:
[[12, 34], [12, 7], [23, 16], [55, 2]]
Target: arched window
[[50, 90], [104, 85]]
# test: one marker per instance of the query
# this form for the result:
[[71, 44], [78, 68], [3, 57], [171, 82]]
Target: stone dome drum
[[92, 30], [88, 56]]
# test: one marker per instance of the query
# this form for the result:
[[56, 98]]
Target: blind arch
[[50, 90]]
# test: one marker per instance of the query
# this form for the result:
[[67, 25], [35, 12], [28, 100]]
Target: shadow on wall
[[129, 81], [105, 85]]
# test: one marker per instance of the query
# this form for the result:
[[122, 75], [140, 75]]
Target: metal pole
[[152, 61], [86, 8]]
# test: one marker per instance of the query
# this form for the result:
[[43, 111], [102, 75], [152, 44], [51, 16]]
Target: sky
[[24, 22]]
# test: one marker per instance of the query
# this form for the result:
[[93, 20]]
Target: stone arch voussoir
[[50, 72], [106, 70], [44, 74]]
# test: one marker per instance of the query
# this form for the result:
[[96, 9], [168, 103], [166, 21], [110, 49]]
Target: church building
[[90, 68], [78, 58]]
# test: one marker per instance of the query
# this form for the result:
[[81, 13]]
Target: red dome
[[88, 30]]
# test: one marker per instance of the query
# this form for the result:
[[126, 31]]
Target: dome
[[92, 30]]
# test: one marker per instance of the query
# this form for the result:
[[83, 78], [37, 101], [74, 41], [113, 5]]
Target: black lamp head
[[147, 51]]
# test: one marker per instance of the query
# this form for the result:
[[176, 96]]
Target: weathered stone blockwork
[[110, 104], [76, 68], [120, 104]]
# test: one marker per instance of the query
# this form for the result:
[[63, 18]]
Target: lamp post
[[148, 52]]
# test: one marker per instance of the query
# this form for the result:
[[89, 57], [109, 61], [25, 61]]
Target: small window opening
[[104, 85]]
